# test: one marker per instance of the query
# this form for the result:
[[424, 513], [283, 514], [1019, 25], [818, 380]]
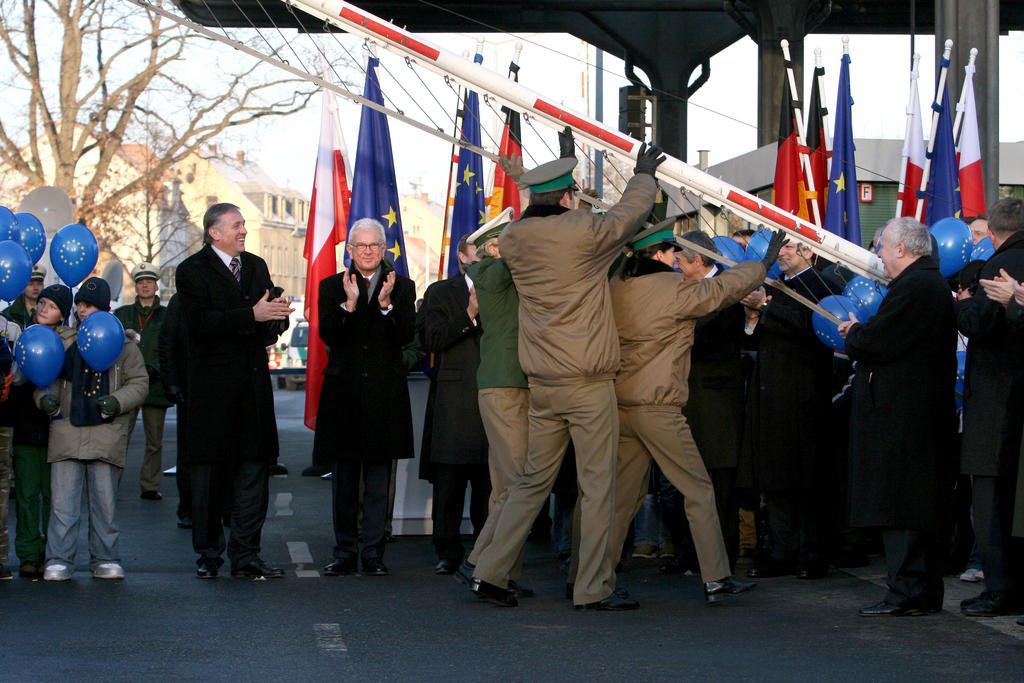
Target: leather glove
[[513, 166], [174, 394], [566, 144], [648, 159], [50, 405], [771, 254], [108, 405]]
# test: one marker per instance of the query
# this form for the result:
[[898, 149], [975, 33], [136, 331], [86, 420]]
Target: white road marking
[[283, 505], [328, 639], [299, 552]]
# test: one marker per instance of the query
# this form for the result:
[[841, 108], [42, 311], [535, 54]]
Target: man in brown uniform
[[656, 310], [569, 350]]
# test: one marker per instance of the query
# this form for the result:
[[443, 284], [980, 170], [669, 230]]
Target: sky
[[722, 114]]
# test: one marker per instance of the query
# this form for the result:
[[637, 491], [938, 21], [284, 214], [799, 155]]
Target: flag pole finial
[[519, 51], [846, 45], [785, 49], [479, 45], [974, 55], [818, 63], [948, 48]]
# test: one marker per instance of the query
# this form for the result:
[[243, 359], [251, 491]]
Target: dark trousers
[[345, 479], [450, 500], [727, 503], [247, 481], [1001, 554], [914, 563], [182, 478], [794, 526]]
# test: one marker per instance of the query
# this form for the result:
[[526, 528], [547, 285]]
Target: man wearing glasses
[[364, 422]]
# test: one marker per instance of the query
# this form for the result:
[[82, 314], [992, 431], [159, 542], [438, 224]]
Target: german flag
[[789, 192], [818, 151]]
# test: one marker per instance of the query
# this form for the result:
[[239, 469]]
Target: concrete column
[[975, 23]]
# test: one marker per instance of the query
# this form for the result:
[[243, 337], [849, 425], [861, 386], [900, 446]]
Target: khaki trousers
[[152, 461], [505, 414], [664, 435], [587, 414]]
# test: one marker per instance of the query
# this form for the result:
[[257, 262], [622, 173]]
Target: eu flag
[[374, 189], [943, 193], [842, 209], [469, 212]]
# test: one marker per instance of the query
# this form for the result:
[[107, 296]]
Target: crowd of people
[[576, 346]]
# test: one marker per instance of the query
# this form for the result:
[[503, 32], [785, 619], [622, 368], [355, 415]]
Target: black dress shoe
[[372, 566], [278, 470], [151, 495], [520, 591], [341, 567], [993, 606], [314, 471], [613, 603], [715, 591], [257, 569], [887, 609], [206, 570], [767, 570], [445, 567], [494, 594], [464, 573], [185, 522], [984, 595], [813, 570]]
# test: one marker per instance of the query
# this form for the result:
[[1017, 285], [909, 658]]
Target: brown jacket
[[559, 263], [656, 313]]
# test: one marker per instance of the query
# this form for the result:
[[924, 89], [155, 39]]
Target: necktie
[[235, 269]]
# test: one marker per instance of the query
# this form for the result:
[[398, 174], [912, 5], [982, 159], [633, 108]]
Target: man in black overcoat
[[903, 422], [785, 452], [232, 314], [364, 423], [993, 417], [458, 444]]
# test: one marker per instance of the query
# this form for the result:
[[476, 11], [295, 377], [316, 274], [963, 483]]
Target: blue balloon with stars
[[73, 253], [955, 245], [40, 354], [983, 250], [100, 340], [15, 270], [756, 248], [33, 235], [866, 294], [729, 248], [828, 331], [8, 224]]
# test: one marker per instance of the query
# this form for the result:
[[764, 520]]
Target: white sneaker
[[972, 575], [57, 572], [108, 570]]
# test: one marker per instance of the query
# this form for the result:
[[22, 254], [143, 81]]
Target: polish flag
[[972, 185], [325, 229], [913, 150]]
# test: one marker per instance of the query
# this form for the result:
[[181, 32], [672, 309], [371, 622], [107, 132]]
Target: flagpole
[[819, 64], [801, 133], [936, 106], [460, 108], [968, 76], [906, 136]]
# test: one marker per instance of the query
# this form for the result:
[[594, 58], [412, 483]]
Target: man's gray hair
[[911, 234], [370, 224], [701, 239]]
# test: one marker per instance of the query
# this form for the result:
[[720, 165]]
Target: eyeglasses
[[359, 247]]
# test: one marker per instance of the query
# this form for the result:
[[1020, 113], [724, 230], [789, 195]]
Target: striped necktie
[[236, 270]]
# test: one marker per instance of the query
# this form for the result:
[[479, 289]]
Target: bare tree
[[87, 78]]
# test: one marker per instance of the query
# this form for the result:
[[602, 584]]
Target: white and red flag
[[325, 229], [914, 153], [972, 184]]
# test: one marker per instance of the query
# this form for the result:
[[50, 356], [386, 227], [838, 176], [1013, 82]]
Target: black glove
[[174, 394], [108, 405], [50, 405], [771, 254], [153, 373], [566, 144], [648, 159]]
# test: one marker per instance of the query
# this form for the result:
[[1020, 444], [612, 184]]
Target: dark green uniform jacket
[[147, 321], [499, 317]]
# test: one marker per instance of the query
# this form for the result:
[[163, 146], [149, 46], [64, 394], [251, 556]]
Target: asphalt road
[[161, 622]]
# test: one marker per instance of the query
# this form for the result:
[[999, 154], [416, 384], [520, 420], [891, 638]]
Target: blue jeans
[[68, 479]]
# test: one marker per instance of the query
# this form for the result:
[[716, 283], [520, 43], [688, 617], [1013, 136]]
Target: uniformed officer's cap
[[554, 175], [491, 228], [38, 272], [144, 270], [661, 233]]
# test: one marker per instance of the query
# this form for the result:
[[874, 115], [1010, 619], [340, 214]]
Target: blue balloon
[[729, 248], [866, 294], [39, 353], [33, 235], [983, 250], [758, 245], [100, 340], [826, 330], [15, 270], [961, 365], [8, 224], [955, 244], [73, 253]]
